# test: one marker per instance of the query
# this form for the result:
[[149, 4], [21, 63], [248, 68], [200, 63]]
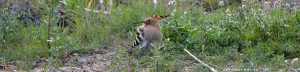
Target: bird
[[148, 33]]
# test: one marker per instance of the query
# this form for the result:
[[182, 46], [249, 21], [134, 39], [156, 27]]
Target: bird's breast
[[152, 34]]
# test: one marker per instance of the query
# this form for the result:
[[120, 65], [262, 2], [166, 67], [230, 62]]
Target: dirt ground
[[97, 60]]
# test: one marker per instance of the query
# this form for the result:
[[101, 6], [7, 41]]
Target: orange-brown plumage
[[150, 32]]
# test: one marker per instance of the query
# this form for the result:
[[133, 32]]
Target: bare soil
[[97, 60]]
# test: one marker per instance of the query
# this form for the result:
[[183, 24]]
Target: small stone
[[76, 54], [294, 61], [298, 69]]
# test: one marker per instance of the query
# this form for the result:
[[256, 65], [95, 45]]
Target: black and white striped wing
[[139, 37]]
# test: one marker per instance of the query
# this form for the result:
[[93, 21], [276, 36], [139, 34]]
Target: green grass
[[217, 37]]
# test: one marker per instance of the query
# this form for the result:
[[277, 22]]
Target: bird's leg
[[145, 45], [151, 45]]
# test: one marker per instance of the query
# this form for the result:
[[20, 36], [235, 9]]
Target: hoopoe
[[149, 33]]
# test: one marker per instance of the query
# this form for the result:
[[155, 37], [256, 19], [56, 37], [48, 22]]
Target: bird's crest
[[154, 17], [158, 17]]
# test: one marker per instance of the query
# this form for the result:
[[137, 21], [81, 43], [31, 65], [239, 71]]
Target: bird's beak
[[138, 22]]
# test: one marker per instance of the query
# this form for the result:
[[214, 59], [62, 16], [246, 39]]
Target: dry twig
[[211, 68]]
